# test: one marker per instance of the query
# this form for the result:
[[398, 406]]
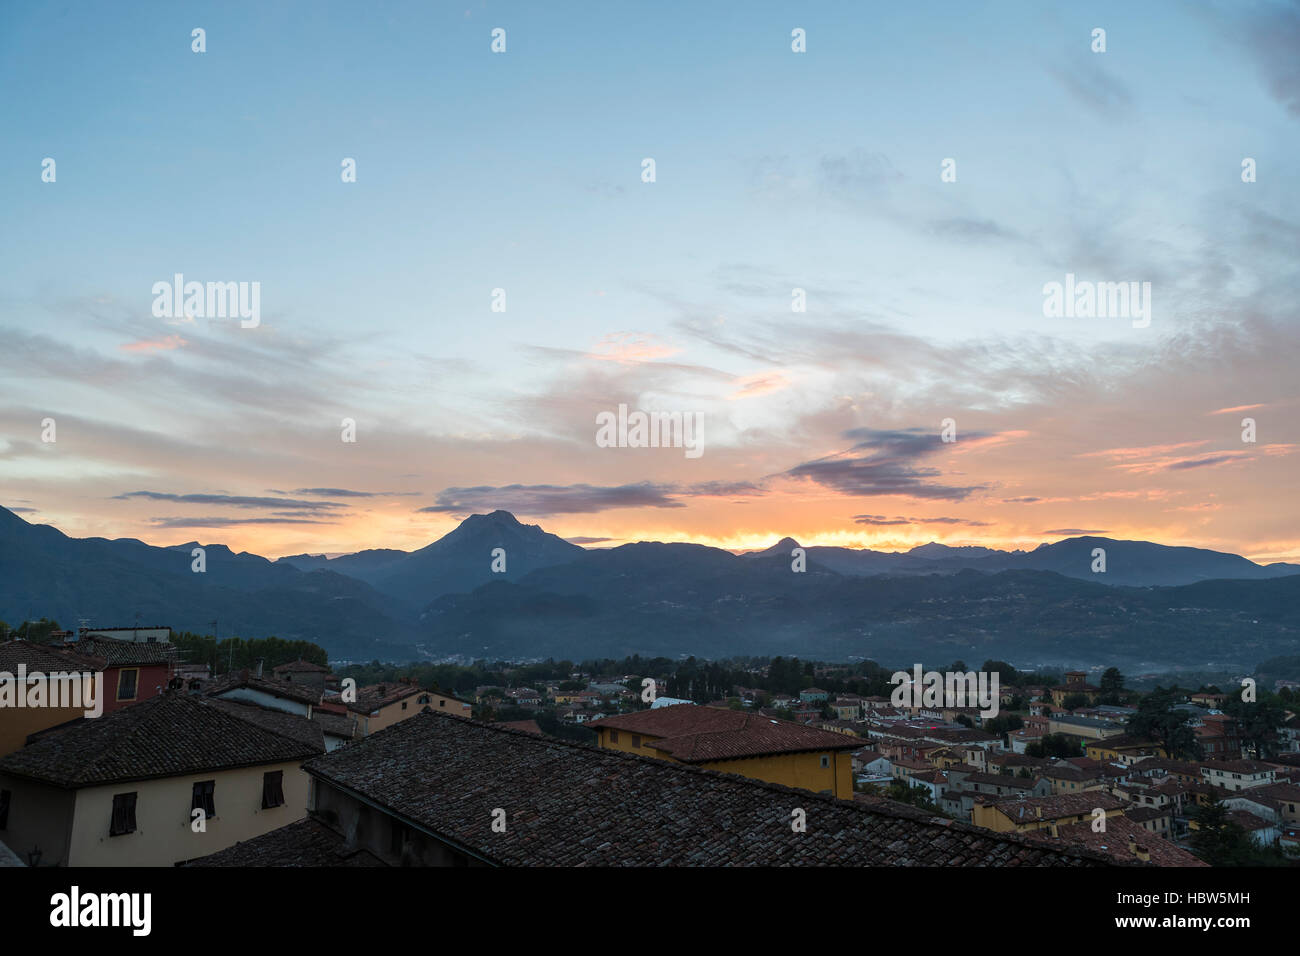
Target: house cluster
[[177, 765], [599, 696], [1144, 796], [295, 767]]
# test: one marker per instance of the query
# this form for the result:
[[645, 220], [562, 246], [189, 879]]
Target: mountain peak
[[498, 517]]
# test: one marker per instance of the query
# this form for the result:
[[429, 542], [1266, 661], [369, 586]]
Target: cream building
[[132, 788]]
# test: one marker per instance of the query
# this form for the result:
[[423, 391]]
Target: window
[[826, 761], [204, 798], [613, 736], [442, 703], [636, 740], [403, 705], [399, 834], [272, 789], [126, 683], [5, 796], [123, 814], [424, 698]]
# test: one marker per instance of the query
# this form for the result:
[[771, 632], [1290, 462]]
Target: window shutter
[[272, 789]]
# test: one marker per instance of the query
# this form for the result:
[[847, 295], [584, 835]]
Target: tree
[[1219, 841], [1053, 745], [1112, 686], [1156, 719], [1006, 673], [1257, 722], [1074, 701]]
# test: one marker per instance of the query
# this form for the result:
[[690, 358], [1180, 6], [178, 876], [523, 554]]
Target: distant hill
[[1134, 563], [1157, 605], [459, 561]]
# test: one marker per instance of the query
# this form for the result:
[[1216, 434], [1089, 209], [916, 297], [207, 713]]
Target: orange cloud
[[762, 383], [628, 348], [165, 344]]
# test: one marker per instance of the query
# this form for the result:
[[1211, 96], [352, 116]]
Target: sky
[[774, 171]]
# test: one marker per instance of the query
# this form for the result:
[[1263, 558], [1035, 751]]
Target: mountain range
[[1155, 605]]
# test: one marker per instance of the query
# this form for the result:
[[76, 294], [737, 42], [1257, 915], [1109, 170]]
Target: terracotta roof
[[1023, 809], [300, 667], [694, 734], [305, 843], [44, 658], [1120, 832], [1067, 772], [309, 732], [1140, 814], [1276, 792], [374, 696], [575, 804], [125, 653], [163, 736], [1001, 780], [282, 689], [336, 725], [1247, 820]]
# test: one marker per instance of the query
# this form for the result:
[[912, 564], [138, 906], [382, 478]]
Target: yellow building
[[1019, 815], [123, 790], [1125, 749], [382, 705], [738, 742], [1075, 683]]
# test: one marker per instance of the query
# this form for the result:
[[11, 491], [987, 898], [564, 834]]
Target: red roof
[[694, 734]]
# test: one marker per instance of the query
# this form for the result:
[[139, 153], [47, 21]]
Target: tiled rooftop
[[163, 736], [574, 804], [1116, 841], [694, 734], [307, 843]]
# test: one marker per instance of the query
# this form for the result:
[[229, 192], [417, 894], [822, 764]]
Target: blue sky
[[522, 171]]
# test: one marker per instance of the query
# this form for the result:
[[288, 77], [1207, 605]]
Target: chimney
[[1139, 851], [243, 673], [260, 661]]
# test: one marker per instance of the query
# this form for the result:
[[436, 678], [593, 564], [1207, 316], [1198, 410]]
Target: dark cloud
[[553, 499], [346, 493], [587, 540], [543, 500], [883, 462], [1071, 531], [723, 489], [1274, 40], [1203, 462], [234, 501], [1027, 500], [884, 521], [229, 522]]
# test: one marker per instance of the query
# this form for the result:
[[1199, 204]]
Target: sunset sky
[[774, 171]]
